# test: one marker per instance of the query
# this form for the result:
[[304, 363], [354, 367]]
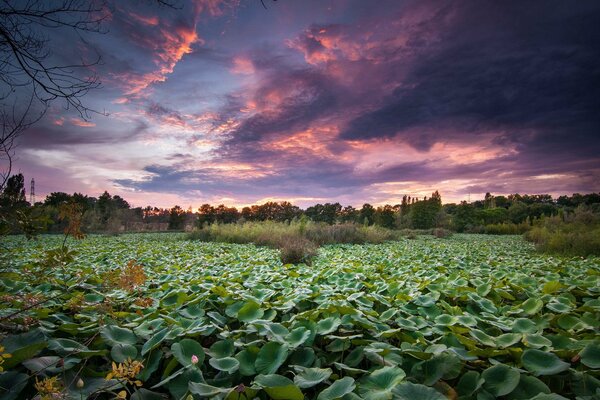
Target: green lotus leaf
[[23, 346], [536, 341], [466, 320], [185, 349], [309, 377], [551, 396], [148, 328], [379, 383], [51, 364], [483, 337], [155, 340], [279, 387], [114, 335], [532, 306], [204, 390], [414, 391], [508, 339], [227, 364], [446, 320], [297, 337], [12, 384], [542, 362], [558, 307], [551, 287], [222, 349], [500, 379], [145, 394], [568, 321], [590, 355], [304, 356], [445, 365], [247, 359], [270, 357], [338, 389], [328, 325], [233, 309], [193, 311], [528, 387], [250, 311], [524, 325], [67, 346], [469, 383], [121, 352]]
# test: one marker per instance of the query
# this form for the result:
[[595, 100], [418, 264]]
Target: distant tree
[[367, 214], [385, 216], [226, 215], [424, 213], [206, 215], [518, 211], [349, 214], [463, 217], [13, 195], [55, 199], [176, 218]]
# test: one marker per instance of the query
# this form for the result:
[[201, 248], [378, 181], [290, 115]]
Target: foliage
[[466, 317], [297, 241], [575, 234]]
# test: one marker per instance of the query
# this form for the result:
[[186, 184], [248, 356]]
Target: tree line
[[112, 213]]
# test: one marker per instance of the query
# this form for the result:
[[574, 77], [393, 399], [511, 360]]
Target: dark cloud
[[494, 72], [47, 135]]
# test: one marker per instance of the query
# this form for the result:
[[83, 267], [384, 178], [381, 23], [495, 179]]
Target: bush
[[296, 249], [574, 234], [506, 228], [441, 233]]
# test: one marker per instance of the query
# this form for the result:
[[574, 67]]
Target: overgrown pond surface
[[153, 316]]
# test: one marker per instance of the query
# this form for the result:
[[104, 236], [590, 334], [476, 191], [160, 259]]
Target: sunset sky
[[329, 100]]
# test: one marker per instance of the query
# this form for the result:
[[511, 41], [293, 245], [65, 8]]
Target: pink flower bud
[[195, 359]]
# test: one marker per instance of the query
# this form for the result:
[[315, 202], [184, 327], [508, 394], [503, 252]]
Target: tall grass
[[574, 234], [297, 241]]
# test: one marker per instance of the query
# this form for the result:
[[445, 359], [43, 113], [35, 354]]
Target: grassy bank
[[297, 241], [574, 234]]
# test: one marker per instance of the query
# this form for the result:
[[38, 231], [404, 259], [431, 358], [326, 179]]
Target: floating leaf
[[415, 391], [185, 349], [590, 355], [121, 352], [279, 387], [500, 379], [116, 335], [309, 377], [542, 362], [270, 357], [227, 364], [250, 311], [338, 389]]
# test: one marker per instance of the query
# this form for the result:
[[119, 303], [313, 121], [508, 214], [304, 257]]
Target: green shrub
[[506, 228], [573, 234], [441, 233], [296, 249]]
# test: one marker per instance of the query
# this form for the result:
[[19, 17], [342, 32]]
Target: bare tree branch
[[30, 77]]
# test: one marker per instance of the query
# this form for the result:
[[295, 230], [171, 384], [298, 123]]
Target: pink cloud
[[80, 122]]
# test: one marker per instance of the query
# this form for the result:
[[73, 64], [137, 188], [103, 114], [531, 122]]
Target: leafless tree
[[31, 78]]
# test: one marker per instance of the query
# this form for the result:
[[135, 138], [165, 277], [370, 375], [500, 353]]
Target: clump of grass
[[297, 241], [507, 228], [441, 233], [574, 234]]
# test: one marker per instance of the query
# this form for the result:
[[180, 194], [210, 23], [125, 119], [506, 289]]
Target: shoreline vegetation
[[566, 225]]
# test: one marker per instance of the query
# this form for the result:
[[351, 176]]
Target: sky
[[312, 101]]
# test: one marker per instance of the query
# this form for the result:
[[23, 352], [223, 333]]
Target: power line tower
[[32, 192]]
